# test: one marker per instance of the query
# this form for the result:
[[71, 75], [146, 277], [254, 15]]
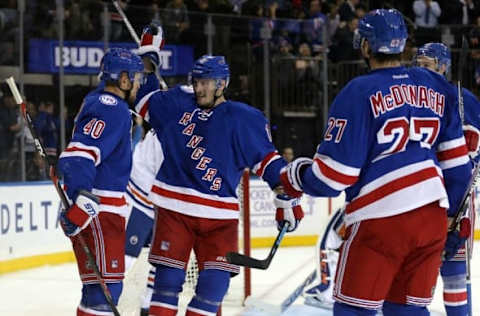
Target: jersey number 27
[[398, 131]]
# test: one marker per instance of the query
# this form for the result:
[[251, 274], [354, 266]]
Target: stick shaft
[[41, 150]]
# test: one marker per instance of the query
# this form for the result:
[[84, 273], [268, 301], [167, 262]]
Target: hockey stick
[[255, 304], [473, 181], [135, 37], [298, 291], [41, 151], [246, 261]]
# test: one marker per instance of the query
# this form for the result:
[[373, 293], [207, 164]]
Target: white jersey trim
[[192, 202], [142, 106], [423, 190], [77, 149]]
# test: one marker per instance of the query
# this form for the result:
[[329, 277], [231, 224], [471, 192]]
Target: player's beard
[[206, 106]]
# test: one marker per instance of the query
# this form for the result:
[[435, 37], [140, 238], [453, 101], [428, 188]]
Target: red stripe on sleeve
[[265, 162], [335, 175], [452, 153], [144, 109], [90, 152]]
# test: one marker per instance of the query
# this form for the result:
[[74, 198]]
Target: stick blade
[[245, 261]]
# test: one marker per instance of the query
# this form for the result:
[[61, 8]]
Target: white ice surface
[[55, 290]]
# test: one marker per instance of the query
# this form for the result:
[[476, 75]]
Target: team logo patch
[[134, 240], [114, 264], [108, 99], [165, 245]]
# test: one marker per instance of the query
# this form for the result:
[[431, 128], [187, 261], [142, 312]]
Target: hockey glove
[[456, 238], [288, 210], [472, 138], [152, 42], [80, 214], [291, 176]]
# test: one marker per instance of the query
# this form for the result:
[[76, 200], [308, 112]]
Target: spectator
[[8, 33], [314, 26], [9, 126], [333, 19], [426, 13], [46, 126], [287, 154], [360, 11], [35, 166], [307, 78], [347, 10], [474, 43], [175, 20], [342, 48], [426, 18], [78, 23], [459, 12], [9, 122]]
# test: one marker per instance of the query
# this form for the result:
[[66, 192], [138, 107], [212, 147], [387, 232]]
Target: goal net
[[135, 282]]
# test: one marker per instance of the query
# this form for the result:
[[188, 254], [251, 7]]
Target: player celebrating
[[394, 144], [96, 166], [436, 57], [209, 141], [147, 157]]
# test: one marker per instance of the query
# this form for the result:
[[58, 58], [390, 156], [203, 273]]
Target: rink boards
[[30, 234]]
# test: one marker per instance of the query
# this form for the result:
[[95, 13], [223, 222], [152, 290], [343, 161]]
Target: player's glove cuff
[[82, 212], [288, 210], [472, 139], [291, 176], [151, 43]]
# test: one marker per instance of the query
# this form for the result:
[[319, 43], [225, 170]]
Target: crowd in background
[[299, 34]]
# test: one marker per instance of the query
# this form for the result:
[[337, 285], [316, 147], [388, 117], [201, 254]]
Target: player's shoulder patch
[[107, 99]]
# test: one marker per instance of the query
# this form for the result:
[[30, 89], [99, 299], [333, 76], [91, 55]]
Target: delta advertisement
[[29, 223], [84, 57]]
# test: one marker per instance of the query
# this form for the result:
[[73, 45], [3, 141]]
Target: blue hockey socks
[[168, 284], [394, 309], [93, 300], [454, 287], [341, 309], [211, 287]]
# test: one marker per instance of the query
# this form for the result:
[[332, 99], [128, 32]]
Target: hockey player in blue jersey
[[394, 144], [209, 141], [96, 166], [147, 158], [436, 57]]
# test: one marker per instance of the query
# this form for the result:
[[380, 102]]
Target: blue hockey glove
[[288, 210], [80, 214], [291, 176], [456, 238]]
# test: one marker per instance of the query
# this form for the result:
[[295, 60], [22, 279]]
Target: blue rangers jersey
[[394, 137], [206, 152], [99, 156]]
